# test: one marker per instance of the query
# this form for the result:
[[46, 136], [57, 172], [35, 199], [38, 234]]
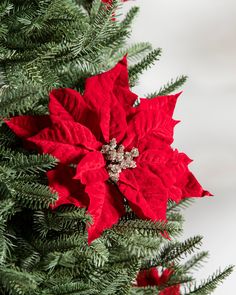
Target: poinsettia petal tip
[[176, 122], [173, 98], [207, 194], [55, 92], [26, 126], [184, 157], [124, 60], [178, 94]]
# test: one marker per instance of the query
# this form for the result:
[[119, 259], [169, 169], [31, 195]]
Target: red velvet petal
[[26, 126], [125, 97], [121, 88], [91, 169], [148, 277], [149, 123], [110, 1], [118, 75], [68, 141], [105, 96], [183, 180], [111, 115], [69, 191], [165, 276], [68, 104], [155, 156], [165, 104], [193, 188], [156, 161], [174, 290], [172, 168], [152, 141], [151, 277], [118, 124], [106, 207], [146, 195], [152, 118]]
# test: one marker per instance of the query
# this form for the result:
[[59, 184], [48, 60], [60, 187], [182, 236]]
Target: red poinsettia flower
[[109, 2], [110, 150], [151, 277]]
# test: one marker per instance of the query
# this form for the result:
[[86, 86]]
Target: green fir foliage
[[59, 43], [208, 286], [170, 87]]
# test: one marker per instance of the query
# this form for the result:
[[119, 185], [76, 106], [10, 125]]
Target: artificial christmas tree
[[90, 188]]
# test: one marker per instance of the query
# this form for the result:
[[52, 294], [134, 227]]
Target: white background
[[198, 38]]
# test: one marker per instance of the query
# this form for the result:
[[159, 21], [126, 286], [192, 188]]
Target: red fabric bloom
[[109, 2], [151, 277], [174, 290], [77, 128]]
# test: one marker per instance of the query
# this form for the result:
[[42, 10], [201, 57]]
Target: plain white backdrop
[[198, 38]]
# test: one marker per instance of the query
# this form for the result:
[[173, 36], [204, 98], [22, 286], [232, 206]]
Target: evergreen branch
[[112, 281], [209, 285], [4, 193], [137, 69], [145, 290], [41, 224], [5, 8], [74, 75], [73, 213], [183, 204], [17, 282], [3, 31], [170, 87], [128, 20], [67, 219], [9, 175], [32, 164], [95, 8], [175, 217], [35, 196], [115, 40], [17, 101], [101, 29], [135, 52], [147, 228], [7, 209], [97, 254], [71, 288], [7, 137], [175, 251], [134, 244], [75, 255], [29, 257], [5, 247], [60, 243], [178, 279], [196, 261]]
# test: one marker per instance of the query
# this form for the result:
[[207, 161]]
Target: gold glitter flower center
[[118, 159]]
